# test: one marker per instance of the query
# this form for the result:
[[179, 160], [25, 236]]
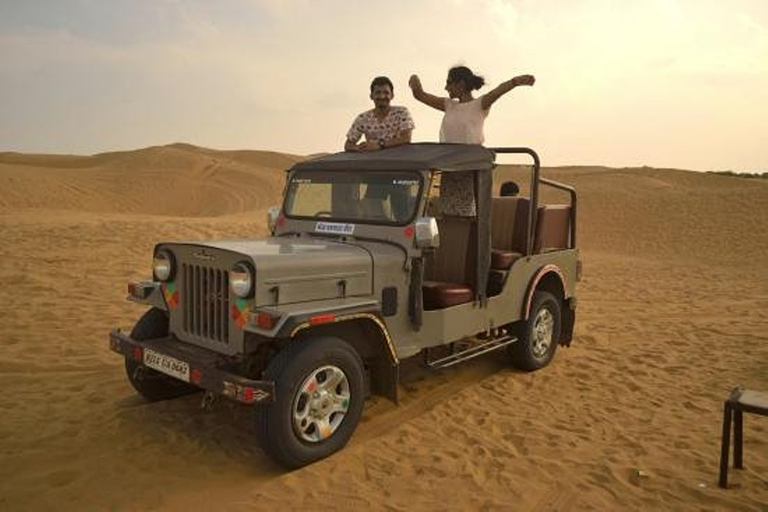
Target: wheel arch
[[550, 279], [369, 336]]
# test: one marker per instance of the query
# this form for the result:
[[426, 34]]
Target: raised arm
[[424, 97], [503, 88]]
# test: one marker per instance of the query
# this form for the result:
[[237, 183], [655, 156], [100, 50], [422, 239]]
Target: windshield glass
[[365, 196]]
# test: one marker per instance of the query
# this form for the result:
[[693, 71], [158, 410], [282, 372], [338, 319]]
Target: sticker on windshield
[[336, 228]]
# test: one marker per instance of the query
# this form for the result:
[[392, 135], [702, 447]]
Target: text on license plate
[[166, 364]]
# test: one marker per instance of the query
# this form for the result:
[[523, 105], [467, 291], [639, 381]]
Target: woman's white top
[[463, 122]]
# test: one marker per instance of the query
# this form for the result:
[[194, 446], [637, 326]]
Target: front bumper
[[206, 371]]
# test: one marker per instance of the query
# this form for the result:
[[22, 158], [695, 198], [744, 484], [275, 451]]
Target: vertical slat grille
[[205, 299]]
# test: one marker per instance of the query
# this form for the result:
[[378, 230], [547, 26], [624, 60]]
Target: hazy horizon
[[659, 83]]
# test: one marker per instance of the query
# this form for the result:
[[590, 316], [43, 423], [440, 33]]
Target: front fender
[[288, 319]]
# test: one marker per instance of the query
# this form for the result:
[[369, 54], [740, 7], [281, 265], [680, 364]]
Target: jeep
[[361, 272]]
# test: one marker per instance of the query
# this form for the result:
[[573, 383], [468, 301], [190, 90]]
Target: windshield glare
[[365, 196]]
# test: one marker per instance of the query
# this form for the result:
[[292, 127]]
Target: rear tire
[[539, 335], [320, 393], [152, 384]]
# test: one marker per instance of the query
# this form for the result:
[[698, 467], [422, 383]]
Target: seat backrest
[[553, 228], [375, 209], [454, 261], [509, 223]]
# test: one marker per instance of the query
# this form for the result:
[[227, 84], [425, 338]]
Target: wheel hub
[[321, 403]]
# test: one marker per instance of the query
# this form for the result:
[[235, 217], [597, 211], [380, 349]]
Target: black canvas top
[[408, 157]]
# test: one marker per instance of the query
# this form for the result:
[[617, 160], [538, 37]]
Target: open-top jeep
[[360, 273]]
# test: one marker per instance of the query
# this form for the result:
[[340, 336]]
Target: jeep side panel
[[454, 323]]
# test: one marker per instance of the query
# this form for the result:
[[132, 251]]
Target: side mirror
[[427, 234], [273, 212]]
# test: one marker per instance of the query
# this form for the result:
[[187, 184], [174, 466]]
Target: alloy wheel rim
[[543, 332], [321, 404]]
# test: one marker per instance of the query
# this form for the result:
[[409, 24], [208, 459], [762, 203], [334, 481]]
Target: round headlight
[[241, 280], [162, 266]]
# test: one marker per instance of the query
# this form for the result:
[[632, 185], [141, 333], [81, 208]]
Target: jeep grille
[[205, 299]]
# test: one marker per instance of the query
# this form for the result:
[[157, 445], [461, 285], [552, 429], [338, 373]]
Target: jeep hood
[[290, 270]]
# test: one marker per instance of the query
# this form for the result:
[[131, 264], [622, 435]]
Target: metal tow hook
[[207, 403], [138, 373]]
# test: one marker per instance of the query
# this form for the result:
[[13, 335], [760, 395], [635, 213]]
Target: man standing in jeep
[[384, 126]]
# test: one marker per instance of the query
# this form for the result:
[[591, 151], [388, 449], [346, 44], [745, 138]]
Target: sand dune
[[673, 313], [179, 180]]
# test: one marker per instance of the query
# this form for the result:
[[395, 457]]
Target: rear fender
[[549, 278]]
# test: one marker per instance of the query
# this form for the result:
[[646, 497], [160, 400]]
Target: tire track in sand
[[421, 390]]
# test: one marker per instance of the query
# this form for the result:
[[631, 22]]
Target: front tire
[[319, 388], [151, 384], [539, 335]]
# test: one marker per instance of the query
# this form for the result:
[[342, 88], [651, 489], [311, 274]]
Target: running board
[[472, 352]]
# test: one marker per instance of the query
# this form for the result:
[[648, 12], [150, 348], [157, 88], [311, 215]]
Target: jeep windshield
[[365, 196]]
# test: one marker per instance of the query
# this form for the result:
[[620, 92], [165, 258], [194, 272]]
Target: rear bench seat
[[509, 226], [450, 271]]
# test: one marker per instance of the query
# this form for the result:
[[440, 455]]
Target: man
[[385, 126]]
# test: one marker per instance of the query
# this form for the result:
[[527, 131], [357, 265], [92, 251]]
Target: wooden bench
[[740, 401]]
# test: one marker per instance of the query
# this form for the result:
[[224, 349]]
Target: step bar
[[472, 352]]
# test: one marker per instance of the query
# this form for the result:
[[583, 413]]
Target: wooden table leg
[[737, 438], [725, 446]]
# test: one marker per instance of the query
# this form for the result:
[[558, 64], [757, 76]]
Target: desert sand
[[673, 314]]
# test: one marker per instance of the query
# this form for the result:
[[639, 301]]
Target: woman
[[463, 123]]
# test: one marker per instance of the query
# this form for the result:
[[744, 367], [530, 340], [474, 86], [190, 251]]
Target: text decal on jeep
[[337, 228]]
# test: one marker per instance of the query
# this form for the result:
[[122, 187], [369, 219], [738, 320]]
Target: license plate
[[166, 364]]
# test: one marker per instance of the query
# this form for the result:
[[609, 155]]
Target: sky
[[663, 83]]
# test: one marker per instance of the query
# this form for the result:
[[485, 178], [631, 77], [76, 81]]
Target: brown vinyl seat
[[439, 295], [450, 270], [553, 228], [503, 260], [509, 229]]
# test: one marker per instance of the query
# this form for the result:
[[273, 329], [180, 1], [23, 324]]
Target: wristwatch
[[381, 144]]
